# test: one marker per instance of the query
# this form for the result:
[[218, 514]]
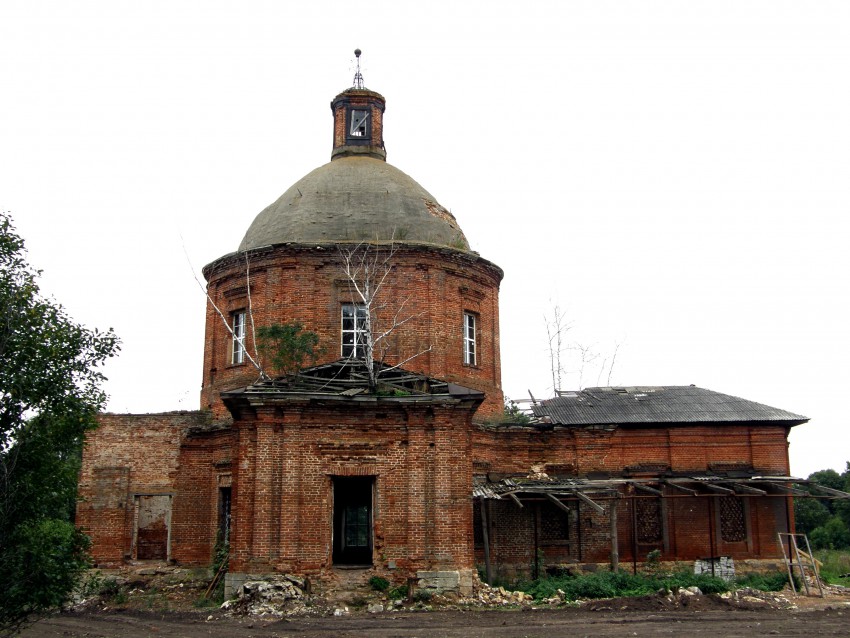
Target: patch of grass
[[617, 584], [836, 566], [422, 596], [204, 603], [772, 581]]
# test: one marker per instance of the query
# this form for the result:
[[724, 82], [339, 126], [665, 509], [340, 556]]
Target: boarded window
[[111, 488]]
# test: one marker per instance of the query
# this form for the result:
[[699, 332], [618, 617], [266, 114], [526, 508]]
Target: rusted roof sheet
[[654, 404]]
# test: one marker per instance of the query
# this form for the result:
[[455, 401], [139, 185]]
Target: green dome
[[354, 199]]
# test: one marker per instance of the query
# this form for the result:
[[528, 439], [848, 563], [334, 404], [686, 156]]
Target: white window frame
[[237, 325], [470, 335], [353, 330]]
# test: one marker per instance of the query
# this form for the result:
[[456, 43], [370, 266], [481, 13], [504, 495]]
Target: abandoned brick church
[[414, 474]]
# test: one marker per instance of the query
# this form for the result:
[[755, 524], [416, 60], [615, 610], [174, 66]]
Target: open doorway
[[352, 531]]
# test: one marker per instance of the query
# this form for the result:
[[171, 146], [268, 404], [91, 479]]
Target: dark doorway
[[352, 531], [223, 515]]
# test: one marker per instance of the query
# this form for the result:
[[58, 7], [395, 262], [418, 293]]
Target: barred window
[[650, 520], [554, 524], [733, 524]]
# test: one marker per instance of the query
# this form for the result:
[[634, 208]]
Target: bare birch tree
[[556, 329], [584, 356], [368, 268], [255, 360]]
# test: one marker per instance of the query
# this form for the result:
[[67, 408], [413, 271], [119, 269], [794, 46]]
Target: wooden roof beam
[[742, 487], [557, 502], [718, 488], [596, 506], [681, 487], [646, 488]]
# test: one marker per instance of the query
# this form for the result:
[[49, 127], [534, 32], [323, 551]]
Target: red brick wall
[[287, 458], [682, 448], [692, 524], [363, 99], [127, 455], [205, 466], [307, 285]]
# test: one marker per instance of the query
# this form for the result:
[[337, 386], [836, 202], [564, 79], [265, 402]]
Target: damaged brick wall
[[205, 468], [416, 457], [681, 448], [690, 527], [290, 283], [128, 456]]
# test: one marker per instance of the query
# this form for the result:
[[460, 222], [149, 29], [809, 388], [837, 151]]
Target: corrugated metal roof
[[653, 404]]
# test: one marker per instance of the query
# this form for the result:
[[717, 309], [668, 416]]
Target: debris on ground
[[182, 590]]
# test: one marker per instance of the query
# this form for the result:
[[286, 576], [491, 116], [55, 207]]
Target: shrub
[[773, 581], [615, 584], [379, 584], [398, 593]]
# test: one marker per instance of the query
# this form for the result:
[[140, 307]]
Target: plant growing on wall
[[287, 347]]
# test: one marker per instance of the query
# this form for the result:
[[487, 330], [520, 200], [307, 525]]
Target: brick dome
[[355, 198]]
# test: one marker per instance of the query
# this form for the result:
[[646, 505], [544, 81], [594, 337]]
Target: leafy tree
[[826, 520], [49, 396], [831, 535], [287, 346], [809, 514], [828, 478]]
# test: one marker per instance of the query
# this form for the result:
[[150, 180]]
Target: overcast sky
[[674, 175]]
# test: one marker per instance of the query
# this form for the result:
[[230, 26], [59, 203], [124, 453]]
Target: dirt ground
[[172, 605]]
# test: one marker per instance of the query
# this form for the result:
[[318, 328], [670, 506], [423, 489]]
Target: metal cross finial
[[358, 76]]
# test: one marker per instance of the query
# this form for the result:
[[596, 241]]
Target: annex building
[[408, 468]]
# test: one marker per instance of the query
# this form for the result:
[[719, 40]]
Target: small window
[[358, 124], [237, 324], [353, 330], [470, 357]]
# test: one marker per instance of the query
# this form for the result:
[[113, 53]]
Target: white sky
[[675, 175]]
